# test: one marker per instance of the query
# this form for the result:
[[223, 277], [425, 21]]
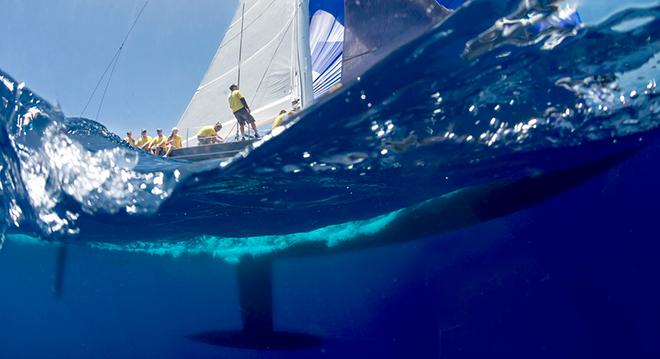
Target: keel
[[255, 286]]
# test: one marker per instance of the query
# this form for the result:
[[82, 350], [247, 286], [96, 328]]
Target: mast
[[240, 47], [304, 54]]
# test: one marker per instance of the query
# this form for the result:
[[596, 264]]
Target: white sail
[[274, 70]]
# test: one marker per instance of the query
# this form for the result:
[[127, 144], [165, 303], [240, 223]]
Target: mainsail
[[274, 69]]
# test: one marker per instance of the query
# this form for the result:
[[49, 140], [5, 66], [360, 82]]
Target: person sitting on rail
[[159, 143], [144, 142], [173, 142], [129, 138], [241, 111], [209, 135]]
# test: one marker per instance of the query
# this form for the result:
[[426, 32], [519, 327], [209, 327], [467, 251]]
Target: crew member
[[129, 138], [173, 142], [241, 111], [209, 135], [280, 118], [159, 143], [144, 142]]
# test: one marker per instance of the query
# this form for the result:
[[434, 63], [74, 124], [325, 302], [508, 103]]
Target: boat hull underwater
[[465, 207]]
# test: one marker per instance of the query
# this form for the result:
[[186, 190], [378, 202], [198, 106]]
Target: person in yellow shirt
[[280, 118], [159, 143], [173, 142], [129, 138], [209, 135], [144, 142], [241, 111]]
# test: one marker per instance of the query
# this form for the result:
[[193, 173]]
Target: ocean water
[[494, 197]]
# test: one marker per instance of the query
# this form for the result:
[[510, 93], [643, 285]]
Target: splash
[[60, 178]]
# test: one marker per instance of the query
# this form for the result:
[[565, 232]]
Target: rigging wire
[[270, 62], [105, 90], [272, 59], [256, 92], [89, 100], [112, 66]]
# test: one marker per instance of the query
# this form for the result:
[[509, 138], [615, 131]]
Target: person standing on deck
[[241, 111], [129, 138]]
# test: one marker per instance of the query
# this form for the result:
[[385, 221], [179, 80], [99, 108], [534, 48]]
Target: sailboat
[[287, 54]]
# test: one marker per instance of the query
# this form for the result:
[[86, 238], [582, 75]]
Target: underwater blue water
[[476, 102]]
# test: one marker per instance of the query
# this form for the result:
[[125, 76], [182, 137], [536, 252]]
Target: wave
[[488, 95]]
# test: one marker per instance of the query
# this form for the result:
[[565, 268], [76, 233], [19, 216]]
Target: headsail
[[271, 75], [326, 42], [348, 37]]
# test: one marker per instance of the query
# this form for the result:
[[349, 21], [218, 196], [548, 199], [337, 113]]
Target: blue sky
[[59, 48]]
